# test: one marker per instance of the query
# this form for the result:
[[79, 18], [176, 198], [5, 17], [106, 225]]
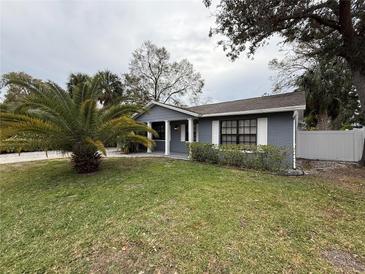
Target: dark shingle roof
[[291, 99]]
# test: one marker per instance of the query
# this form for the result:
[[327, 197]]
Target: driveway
[[30, 156], [40, 155]]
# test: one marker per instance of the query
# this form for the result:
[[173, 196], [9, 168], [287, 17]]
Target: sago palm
[[51, 118]]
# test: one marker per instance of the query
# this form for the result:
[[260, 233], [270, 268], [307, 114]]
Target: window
[[159, 127], [239, 131]]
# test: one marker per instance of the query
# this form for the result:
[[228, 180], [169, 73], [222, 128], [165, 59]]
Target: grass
[[158, 215]]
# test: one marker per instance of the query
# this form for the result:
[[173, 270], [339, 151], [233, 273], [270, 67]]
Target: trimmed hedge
[[262, 157]]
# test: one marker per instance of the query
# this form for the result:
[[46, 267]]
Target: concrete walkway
[[111, 153]]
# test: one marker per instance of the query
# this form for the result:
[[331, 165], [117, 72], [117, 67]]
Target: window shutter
[[262, 131], [182, 133], [215, 132]]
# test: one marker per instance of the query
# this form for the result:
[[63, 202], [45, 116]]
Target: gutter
[[255, 111], [295, 117]]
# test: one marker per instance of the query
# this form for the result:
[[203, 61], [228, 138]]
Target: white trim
[[262, 131], [167, 137], [256, 111], [215, 132], [190, 130], [152, 103], [149, 136], [182, 133], [197, 133]]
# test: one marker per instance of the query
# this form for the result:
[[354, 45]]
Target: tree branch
[[175, 92], [324, 21]]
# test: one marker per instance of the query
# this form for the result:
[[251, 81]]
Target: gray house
[[261, 121]]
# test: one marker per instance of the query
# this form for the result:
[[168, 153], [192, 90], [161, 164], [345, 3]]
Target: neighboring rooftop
[[285, 100]]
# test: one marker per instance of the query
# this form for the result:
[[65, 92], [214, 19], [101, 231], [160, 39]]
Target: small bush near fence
[[4, 149], [261, 157]]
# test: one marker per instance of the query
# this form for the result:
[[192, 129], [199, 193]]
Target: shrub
[[263, 157], [204, 153], [17, 150]]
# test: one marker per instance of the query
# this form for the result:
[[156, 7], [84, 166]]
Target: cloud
[[51, 39]]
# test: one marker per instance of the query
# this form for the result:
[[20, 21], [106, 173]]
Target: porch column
[[167, 137], [149, 136], [191, 130]]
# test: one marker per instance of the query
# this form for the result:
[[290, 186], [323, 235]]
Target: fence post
[[359, 136]]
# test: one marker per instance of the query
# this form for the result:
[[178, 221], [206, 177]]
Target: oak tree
[[152, 76], [329, 27]]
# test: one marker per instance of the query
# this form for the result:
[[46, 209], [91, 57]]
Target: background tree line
[[331, 98], [330, 30]]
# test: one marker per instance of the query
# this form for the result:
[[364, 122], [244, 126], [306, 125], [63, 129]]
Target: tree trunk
[[358, 80], [85, 158], [323, 121]]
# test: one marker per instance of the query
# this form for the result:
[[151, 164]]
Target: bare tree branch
[[153, 77]]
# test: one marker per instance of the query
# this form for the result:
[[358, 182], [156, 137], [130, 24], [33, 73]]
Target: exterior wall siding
[[176, 145], [160, 146], [280, 129], [205, 131], [159, 114], [279, 132]]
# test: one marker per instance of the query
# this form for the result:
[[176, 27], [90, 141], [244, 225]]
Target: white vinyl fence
[[334, 145]]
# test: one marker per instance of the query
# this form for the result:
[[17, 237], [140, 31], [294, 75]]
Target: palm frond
[[122, 125], [139, 139], [12, 124], [97, 143], [88, 113], [52, 118]]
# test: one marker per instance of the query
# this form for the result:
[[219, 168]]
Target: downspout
[[295, 116]]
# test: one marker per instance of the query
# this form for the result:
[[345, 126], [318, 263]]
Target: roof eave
[[152, 103], [245, 112]]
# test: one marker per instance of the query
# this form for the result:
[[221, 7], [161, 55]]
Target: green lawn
[[158, 215]]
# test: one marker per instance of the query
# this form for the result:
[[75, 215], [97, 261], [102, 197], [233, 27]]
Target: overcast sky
[[51, 39]]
